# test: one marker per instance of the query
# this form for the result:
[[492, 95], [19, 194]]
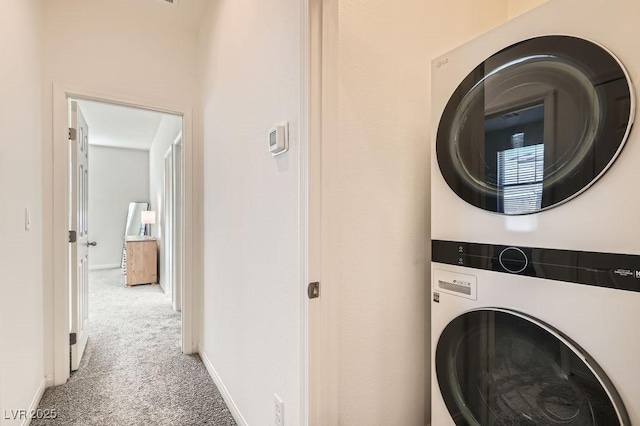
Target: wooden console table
[[142, 260]]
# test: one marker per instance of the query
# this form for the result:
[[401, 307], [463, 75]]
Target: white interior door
[[79, 255]]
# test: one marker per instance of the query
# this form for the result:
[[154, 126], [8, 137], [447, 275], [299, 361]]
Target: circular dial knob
[[513, 260]]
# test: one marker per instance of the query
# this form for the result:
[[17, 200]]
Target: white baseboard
[[222, 388], [48, 381], [35, 402], [109, 266]]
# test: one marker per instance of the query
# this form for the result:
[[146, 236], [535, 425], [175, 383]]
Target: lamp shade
[[148, 217]]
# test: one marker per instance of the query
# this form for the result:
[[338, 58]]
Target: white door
[[79, 256]]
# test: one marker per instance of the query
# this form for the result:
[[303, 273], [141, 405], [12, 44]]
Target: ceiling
[[120, 126]]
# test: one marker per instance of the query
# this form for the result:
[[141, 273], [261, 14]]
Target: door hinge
[[73, 236], [72, 134], [73, 338], [313, 291]]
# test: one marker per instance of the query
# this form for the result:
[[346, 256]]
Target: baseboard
[[235, 412], [36, 401], [49, 381], [109, 266]]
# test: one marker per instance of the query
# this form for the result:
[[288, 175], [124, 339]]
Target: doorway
[[124, 209], [62, 262]]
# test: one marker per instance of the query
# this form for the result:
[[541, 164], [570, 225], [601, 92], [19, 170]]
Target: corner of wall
[[35, 401], [518, 7], [233, 408]]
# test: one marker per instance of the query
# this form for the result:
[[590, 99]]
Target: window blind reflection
[[520, 174]]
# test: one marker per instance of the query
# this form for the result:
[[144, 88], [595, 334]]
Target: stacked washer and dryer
[[535, 317]]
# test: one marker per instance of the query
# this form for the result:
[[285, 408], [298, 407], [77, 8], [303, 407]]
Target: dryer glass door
[[535, 124], [499, 367]]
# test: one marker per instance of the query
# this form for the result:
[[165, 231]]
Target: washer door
[[500, 367], [535, 124]]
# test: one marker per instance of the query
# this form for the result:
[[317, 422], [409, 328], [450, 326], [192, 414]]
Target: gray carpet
[[133, 372]]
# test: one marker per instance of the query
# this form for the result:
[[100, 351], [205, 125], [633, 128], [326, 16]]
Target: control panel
[[613, 270]]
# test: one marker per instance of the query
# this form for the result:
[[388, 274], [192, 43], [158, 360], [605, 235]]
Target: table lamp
[[148, 218]]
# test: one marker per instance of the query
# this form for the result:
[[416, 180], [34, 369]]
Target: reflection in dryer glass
[[514, 138], [547, 115], [499, 369]]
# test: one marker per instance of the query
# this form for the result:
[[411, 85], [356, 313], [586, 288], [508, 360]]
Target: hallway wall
[[250, 77], [377, 232], [117, 177], [135, 49], [21, 325], [518, 7]]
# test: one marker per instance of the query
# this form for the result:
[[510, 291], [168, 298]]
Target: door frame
[[318, 141], [167, 223], [59, 252], [178, 222], [172, 218]]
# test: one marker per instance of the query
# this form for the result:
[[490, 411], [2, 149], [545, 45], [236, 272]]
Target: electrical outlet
[[278, 408]]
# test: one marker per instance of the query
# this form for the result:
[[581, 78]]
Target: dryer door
[[535, 124], [501, 367]]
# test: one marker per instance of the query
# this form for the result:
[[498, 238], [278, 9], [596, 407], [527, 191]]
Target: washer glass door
[[535, 124], [500, 367]]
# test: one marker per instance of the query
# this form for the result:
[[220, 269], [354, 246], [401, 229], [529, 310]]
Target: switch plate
[[278, 408]]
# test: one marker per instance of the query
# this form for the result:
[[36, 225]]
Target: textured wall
[[518, 7], [250, 77], [379, 227], [21, 372]]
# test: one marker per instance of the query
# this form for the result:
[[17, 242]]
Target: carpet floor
[[133, 371]]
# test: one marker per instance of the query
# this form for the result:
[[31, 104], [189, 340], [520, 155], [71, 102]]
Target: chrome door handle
[[92, 243]]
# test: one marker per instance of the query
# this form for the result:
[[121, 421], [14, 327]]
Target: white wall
[[518, 7], [169, 128], [116, 47], [117, 177], [250, 79], [21, 334], [377, 198], [250, 75]]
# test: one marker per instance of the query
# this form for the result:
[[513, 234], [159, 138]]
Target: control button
[[513, 260]]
